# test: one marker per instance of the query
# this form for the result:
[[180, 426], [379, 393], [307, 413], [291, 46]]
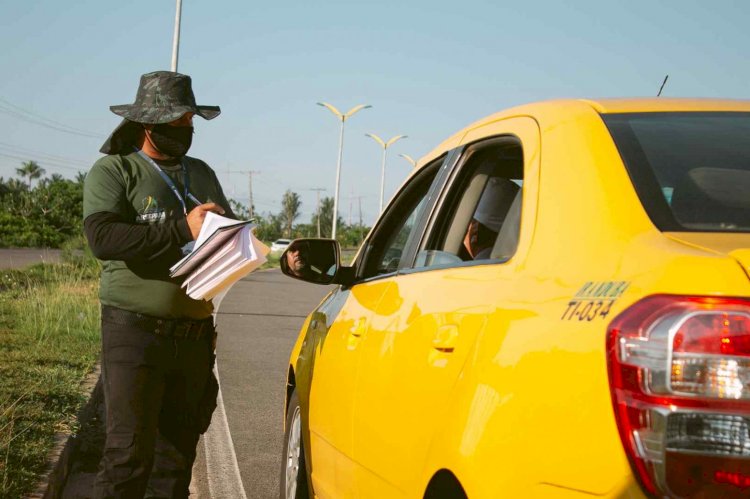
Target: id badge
[[188, 248]]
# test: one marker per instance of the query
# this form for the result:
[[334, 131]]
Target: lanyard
[[171, 184]]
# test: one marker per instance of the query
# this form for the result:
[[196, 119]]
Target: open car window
[[390, 240], [480, 217]]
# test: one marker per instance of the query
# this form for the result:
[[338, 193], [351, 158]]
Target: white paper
[[229, 260], [210, 240]]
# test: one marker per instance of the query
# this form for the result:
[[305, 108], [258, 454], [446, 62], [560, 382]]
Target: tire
[[293, 483]]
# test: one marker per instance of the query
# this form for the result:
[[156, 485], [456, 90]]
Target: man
[[143, 203], [297, 260], [481, 234]]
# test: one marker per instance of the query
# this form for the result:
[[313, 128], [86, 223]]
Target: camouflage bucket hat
[[162, 96]]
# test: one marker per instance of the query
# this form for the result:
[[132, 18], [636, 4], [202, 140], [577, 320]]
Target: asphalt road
[[17, 258], [258, 323]]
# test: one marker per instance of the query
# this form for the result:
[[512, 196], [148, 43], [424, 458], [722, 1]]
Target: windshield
[[690, 170]]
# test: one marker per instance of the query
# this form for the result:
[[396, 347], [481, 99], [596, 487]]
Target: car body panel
[[522, 407], [334, 332]]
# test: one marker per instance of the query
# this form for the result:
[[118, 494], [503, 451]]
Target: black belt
[[173, 328]]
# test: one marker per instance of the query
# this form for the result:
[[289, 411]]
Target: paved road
[[258, 324], [23, 257]]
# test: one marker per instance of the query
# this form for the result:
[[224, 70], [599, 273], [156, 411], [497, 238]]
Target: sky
[[427, 68]]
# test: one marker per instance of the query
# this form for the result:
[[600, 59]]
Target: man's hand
[[198, 214]]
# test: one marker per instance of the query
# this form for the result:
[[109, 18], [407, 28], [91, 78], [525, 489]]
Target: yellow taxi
[[556, 303]]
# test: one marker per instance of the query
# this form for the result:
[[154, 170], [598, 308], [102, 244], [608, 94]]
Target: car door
[[332, 345], [423, 330], [346, 315]]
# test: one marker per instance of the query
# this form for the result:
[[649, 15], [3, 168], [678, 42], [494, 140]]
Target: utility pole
[[249, 174], [176, 38], [350, 209], [359, 200], [318, 190]]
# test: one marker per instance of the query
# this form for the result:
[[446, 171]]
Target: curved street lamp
[[385, 145], [409, 159], [342, 117]]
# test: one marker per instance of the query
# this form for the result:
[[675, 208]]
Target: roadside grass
[[49, 341], [272, 261]]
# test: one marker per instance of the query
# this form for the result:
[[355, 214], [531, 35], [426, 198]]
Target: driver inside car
[[488, 218]]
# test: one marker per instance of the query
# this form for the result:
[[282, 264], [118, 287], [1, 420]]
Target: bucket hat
[[162, 96]]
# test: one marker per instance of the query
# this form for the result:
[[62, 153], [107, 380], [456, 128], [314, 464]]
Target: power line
[[42, 162], [24, 150], [11, 109]]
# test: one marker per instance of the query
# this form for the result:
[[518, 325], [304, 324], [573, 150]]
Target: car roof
[[556, 110]]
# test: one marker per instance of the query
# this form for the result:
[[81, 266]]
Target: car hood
[[734, 245]]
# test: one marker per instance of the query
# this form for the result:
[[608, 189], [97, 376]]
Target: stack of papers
[[226, 251]]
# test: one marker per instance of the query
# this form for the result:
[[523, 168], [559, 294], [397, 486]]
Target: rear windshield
[[691, 170]]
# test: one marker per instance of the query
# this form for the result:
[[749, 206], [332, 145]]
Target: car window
[[691, 170], [480, 216], [387, 247]]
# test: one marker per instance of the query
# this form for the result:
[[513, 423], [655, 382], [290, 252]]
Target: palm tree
[[290, 204], [15, 185], [326, 217], [30, 169]]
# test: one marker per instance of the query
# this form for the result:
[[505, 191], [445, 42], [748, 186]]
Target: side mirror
[[315, 260]]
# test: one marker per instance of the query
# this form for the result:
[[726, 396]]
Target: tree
[[30, 169], [290, 205], [239, 209], [268, 227], [326, 217], [351, 236], [45, 216], [15, 185], [56, 177]]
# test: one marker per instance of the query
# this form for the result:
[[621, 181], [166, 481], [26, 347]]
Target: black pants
[[159, 394]]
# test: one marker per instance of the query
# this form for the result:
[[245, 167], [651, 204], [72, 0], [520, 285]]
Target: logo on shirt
[[150, 211]]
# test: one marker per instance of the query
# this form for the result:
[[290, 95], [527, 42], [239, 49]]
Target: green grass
[[49, 341], [272, 261]]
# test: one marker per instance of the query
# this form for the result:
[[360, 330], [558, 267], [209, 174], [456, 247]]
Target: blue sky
[[428, 68]]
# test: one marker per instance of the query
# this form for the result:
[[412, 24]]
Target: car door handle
[[446, 338], [358, 329]]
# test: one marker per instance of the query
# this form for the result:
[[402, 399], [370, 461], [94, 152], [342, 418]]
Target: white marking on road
[[222, 470]]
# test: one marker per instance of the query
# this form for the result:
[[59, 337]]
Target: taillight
[[679, 370]]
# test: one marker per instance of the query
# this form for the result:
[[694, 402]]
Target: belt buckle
[[160, 325], [166, 327]]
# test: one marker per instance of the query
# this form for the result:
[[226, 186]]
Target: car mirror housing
[[315, 260]]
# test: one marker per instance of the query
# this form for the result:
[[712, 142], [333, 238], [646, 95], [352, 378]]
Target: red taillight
[[680, 378], [717, 333]]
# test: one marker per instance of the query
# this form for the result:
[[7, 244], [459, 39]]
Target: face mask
[[173, 141]]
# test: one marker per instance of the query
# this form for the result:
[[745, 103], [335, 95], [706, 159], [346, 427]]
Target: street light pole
[[411, 160], [385, 145], [176, 39], [342, 117]]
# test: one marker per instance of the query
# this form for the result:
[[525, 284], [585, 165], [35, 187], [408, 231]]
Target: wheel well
[[444, 485], [291, 383]]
